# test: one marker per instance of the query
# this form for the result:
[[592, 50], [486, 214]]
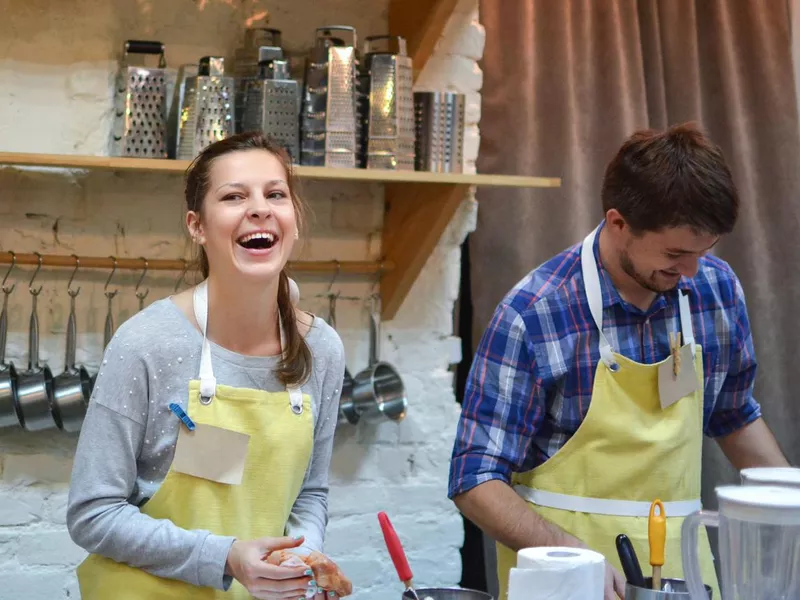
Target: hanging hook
[[71, 277], [35, 273], [335, 275], [108, 294], [7, 290], [183, 274], [141, 297]]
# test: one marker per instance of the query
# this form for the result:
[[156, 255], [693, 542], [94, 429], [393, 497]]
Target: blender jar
[[759, 543]]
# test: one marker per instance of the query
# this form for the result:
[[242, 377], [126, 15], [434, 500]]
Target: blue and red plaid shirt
[[530, 383]]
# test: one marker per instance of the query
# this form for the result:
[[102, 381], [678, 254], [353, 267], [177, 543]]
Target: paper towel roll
[[553, 573]]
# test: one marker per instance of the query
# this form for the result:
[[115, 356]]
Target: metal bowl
[[446, 594]]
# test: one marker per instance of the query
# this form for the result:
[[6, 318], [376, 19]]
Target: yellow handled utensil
[[657, 536]]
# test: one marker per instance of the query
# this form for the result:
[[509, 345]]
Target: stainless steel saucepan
[[9, 412], [35, 386], [347, 411], [108, 330], [378, 390], [73, 387]]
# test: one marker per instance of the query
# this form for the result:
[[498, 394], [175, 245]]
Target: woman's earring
[[297, 234]]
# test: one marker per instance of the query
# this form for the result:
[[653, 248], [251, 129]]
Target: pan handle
[[33, 339], [395, 550], [3, 330], [69, 359]]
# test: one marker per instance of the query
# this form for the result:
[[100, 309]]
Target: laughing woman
[[208, 438]]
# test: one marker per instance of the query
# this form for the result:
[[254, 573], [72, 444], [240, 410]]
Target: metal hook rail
[[137, 264]]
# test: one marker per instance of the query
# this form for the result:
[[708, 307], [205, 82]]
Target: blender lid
[[766, 504], [778, 475]]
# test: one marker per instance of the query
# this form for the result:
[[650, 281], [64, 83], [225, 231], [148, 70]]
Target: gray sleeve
[[309, 515], [99, 517]]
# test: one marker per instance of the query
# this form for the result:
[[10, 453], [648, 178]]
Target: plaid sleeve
[[735, 406], [502, 408]]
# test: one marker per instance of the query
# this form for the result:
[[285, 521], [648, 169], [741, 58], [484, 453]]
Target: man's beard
[[647, 283]]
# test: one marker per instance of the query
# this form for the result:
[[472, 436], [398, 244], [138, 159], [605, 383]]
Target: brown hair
[[673, 178], [295, 365]]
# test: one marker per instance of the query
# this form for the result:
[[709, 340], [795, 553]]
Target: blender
[[783, 476], [759, 543]]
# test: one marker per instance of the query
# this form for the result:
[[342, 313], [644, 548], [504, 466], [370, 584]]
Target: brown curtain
[[565, 81]]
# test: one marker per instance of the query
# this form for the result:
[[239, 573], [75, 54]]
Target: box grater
[[387, 103], [439, 118], [140, 104], [257, 46], [329, 127], [272, 102], [207, 111]]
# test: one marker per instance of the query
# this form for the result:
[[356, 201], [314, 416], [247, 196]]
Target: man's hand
[[263, 580], [615, 584]]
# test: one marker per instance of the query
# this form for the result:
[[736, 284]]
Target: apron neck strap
[[594, 294], [208, 383]]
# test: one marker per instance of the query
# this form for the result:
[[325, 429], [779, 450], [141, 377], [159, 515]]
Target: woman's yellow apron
[[273, 465], [627, 452]]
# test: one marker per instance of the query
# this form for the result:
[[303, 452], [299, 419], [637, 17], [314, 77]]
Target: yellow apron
[[627, 452], [280, 426]]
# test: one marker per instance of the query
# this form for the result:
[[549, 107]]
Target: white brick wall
[[55, 72]]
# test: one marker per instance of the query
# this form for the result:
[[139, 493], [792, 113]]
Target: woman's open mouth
[[258, 242]]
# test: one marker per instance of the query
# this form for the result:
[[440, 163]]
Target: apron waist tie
[[603, 506]]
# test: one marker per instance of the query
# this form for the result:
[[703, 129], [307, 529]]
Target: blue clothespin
[[183, 416]]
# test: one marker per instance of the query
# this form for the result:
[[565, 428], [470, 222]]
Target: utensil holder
[[680, 591]]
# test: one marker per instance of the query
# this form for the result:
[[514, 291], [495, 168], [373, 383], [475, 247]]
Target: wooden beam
[[416, 217], [421, 23]]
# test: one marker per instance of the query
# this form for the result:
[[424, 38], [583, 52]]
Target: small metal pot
[[73, 387], [35, 386], [347, 411], [678, 590], [9, 411], [378, 390], [447, 594]]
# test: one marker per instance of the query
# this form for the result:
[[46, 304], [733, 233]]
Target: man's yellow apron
[[627, 452], [280, 426]]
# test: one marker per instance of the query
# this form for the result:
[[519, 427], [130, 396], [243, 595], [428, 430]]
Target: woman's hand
[[263, 580]]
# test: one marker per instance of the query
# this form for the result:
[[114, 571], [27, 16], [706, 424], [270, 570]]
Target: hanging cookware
[[35, 386], [439, 118], [329, 125], [207, 110], [378, 390], [140, 104], [72, 389], [347, 411], [272, 102], [387, 102], [108, 330], [9, 411]]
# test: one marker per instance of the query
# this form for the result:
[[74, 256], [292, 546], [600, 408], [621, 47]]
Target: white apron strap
[[594, 294], [208, 383], [687, 329], [602, 506]]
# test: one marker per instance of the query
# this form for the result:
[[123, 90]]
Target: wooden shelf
[[419, 205], [105, 163]]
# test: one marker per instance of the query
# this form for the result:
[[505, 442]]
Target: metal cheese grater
[[439, 120], [258, 46], [140, 104], [272, 102], [207, 111], [387, 103], [329, 127]]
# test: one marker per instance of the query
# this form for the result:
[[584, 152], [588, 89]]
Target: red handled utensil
[[396, 552]]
